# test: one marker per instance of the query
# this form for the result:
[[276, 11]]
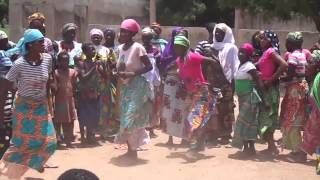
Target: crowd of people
[[125, 91]]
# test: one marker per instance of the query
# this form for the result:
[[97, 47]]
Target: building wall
[[81, 12]]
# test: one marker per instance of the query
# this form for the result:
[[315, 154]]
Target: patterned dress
[[34, 139], [293, 107], [246, 128]]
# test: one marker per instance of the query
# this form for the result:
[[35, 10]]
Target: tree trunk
[[316, 20]]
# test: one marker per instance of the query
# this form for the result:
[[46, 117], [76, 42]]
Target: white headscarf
[[228, 38], [228, 51], [96, 31]]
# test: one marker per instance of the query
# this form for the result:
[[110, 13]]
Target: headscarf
[[109, 30], [316, 57], [130, 25], [30, 35], [228, 38], [3, 35], [315, 90], [295, 37], [248, 48], [168, 55], [36, 16], [147, 30], [273, 37], [182, 40], [96, 31], [69, 26]]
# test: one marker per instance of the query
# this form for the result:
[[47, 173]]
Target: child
[[153, 77], [247, 83], [64, 111], [88, 102]]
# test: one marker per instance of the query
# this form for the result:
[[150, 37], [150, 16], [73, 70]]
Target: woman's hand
[[125, 75]]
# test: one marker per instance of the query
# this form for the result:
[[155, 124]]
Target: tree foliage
[[4, 10], [192, 12], [283, 9]]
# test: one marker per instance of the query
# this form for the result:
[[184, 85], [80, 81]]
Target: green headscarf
[[315, 90], [295, 37], [316, 56], [182, 40]]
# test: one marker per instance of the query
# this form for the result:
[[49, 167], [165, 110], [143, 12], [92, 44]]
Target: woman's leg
[[12, 171]]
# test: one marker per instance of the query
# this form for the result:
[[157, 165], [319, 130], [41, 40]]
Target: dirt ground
[[157, 161]]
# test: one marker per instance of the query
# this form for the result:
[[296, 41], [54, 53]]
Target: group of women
[[130, 89]]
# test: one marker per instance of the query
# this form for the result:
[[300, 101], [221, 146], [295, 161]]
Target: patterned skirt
[[311, 135], [293, 114], [174, 108], [246, 127], [268, 117], [199, 113], [34, 139], [135, 108]]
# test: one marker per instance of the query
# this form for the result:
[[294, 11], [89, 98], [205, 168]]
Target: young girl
[[293, 107], [88, 102], [135, 92], [153, 77], [247, 83], [64, 111], [272, 66]]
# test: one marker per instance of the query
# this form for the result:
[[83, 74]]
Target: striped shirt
[[201, 46], [31, 80], [8, 107]]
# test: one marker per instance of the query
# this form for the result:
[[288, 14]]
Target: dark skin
[[90, 52], [34, 55], [219, 35], [181, 51], [109, 37], [157, 30], [68, 38], [4, 44], [146, 40], [38, 24], [249, 148], [126, 37], [96, 39], [265, 44], [291, 47]]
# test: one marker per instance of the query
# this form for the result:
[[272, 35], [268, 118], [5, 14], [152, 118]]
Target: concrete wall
[[81, 12], [244, 35], [298, 23]]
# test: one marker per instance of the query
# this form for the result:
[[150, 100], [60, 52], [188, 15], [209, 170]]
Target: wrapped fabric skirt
[[34, 139]]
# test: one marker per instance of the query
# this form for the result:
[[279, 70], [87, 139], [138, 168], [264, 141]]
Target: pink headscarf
[[96, 31], [248, 48], [130, 25]]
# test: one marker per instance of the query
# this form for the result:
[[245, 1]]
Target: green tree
[[283, 9], [4, 10], [192, 12]]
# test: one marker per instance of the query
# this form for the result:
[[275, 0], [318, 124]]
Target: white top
[[102, 50], [153, 76], [228, 57], [131, 57], [243, 70], [76, 51], [31, 80]]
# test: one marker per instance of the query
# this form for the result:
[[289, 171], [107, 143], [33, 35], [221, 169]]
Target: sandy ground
[[158, 161]]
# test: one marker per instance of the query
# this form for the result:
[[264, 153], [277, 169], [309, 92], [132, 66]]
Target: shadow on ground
[[189, 156]]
